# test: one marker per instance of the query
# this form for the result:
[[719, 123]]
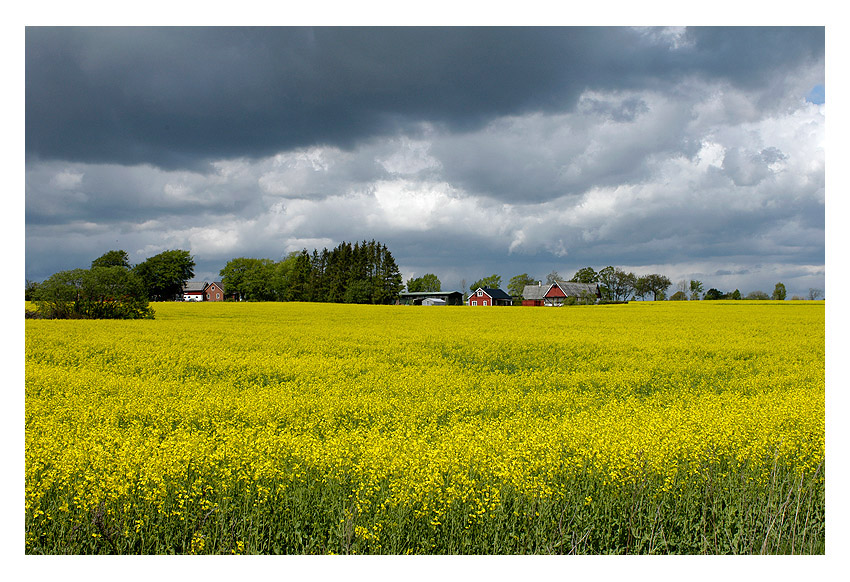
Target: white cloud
[[67, 180]]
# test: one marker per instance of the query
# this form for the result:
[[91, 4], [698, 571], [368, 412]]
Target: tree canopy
[[585, 275], [655, 284], [491, 282], [251, 279], [517, 284], [696, 289], [112, 259], [165, 274], [429, 282], [363, 272]]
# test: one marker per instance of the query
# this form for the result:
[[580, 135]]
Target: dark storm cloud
[[178, 97]]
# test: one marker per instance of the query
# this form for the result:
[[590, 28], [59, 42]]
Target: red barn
[[555, 294]]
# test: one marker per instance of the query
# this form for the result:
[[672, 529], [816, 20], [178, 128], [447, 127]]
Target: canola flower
[[255, 428]]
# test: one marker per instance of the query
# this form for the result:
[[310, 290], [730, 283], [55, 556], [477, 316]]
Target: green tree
[[736, 295], [358, 291], [642, 287], [757, 295], [280, 273], [250, 279], [679, 296], [606, 278], [657, 285], [517, 284], [112, 259], [624, 284], [390, 282], [491, 282], [585, 275], [165, 274], [713, 294], [30, 290], [298, 282], [696, 289], [617, 284], [57, 296], [429, 282], [779, 292]]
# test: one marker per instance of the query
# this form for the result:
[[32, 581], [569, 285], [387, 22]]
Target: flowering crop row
[[647, 427]]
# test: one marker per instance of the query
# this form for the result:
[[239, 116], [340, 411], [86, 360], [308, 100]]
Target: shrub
[[100, 293]]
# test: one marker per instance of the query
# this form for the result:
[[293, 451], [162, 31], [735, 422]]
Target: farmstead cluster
[[649, 427]]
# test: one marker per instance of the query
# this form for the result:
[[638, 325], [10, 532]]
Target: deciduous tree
[[491, 282], [657, 285], [112, 259], [713, 294], [585, 275], [165, 274], [427, 283], [696, 289], [517, 284]]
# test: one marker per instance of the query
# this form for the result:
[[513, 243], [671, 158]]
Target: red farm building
[[556, 294], [486, 297]]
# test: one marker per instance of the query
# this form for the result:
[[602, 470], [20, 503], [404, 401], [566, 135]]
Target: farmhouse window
[[479, 293], [475, 303], [484, 303]]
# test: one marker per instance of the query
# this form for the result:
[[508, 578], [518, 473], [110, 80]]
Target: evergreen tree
[[298, 286]]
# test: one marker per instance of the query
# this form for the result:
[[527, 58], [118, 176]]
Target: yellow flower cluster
[[416, 407]]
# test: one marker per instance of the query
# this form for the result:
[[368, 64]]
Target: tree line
[[614, 283], [363, 272], [693, 290]]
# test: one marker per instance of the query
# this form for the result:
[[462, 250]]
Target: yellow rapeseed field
[[288, 427]]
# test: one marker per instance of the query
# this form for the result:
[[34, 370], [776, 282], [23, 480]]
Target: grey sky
[[696, 153]]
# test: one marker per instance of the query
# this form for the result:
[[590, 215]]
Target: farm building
[[431, 298], [214, 291], [486, 297], [194, 290], [203, 291], [556, 294]]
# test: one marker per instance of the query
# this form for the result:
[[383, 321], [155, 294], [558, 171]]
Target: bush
[[100, 293]]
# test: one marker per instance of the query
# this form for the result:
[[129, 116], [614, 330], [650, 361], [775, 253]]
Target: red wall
[[210, 293], [480, 300]]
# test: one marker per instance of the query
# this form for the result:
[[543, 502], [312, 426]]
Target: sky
[[696, 153]]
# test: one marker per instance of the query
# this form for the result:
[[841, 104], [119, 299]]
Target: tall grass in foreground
[[654, 428], [721, 512]]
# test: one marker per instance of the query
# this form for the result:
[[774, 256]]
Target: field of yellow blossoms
[[651, 427]]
